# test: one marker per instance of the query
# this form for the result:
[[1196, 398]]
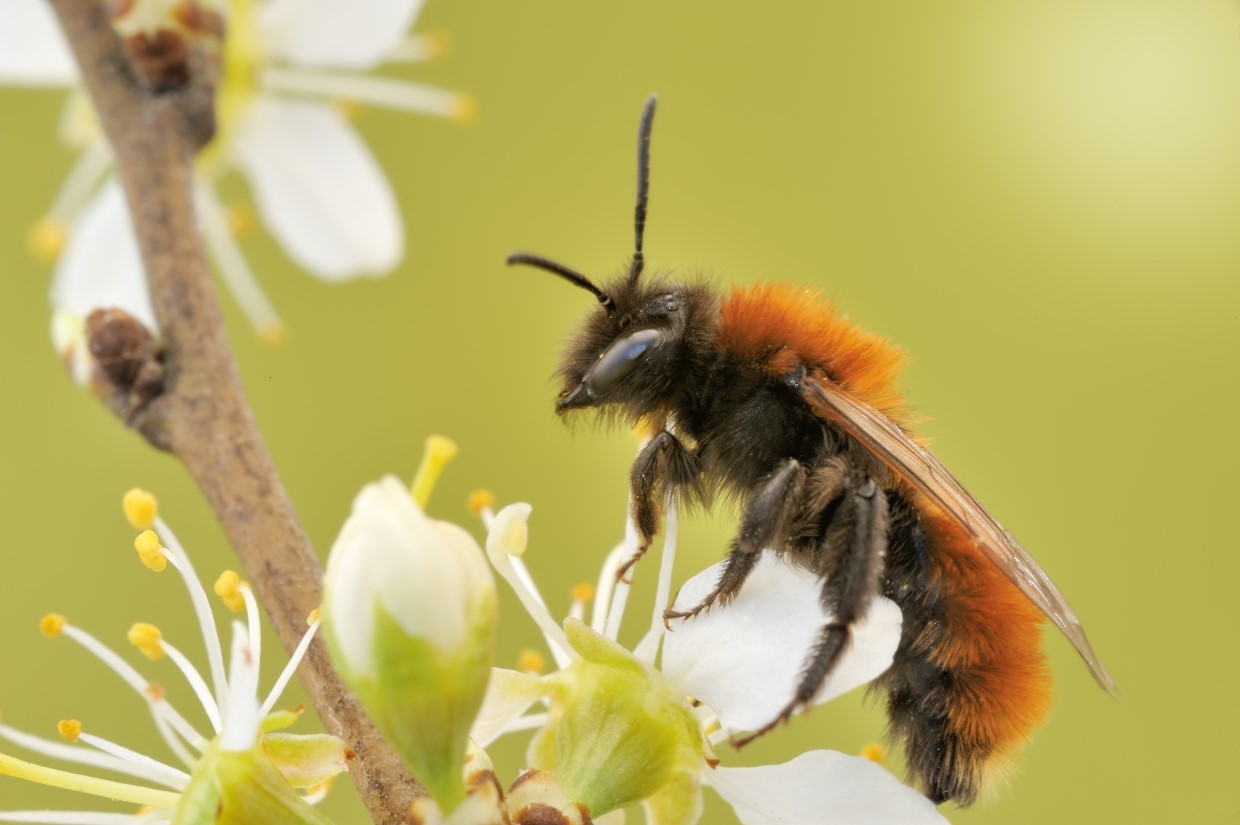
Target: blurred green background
[[1039, 200]]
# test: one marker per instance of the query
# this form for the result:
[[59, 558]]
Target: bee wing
[[919, 468]]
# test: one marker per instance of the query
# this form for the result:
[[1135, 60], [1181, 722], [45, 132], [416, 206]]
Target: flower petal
[[509, 694], [33, 50], [101, 266], [821, 788], [333, 33], [745, 659], [319, 189]]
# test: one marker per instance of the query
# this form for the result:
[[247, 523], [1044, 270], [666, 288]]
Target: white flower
[[317, 187], [240, 765], [410, 613], [741, 663]]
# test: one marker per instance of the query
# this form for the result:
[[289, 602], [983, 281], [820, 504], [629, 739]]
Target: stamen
[[70, 818], [52, 625], [166, 775], [141, 508], [583, 592], [620, 596], [874, 752], [228, 588], [137, 764], [482, 505], [120, 791], [234, 269], [150, 551], [505, 542], [648, 647], [606, 583], [420, 48], [149, 691], [293, 662], [378, 91], [438, 451], [47, 239], [202, 607], [196, 682], [69, 729], [532, 662], [148, 639]]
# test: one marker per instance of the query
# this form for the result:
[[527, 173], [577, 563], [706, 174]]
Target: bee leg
[[663, 463], [764, 525], [851, 562]]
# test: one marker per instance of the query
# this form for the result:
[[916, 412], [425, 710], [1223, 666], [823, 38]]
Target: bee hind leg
[[851, 563], [764, 525]]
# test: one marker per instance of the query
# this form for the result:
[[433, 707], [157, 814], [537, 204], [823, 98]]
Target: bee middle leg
[[764, 525], [851, 563]]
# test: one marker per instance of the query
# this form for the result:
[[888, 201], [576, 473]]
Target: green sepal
[[242, 788]]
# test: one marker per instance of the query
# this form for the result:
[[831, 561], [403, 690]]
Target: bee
[[771, 396]]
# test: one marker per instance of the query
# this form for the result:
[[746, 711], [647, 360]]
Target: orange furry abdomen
[[782, 326], [991, 643]]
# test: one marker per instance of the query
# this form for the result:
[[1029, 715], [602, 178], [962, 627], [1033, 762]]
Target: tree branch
[[201, 415]]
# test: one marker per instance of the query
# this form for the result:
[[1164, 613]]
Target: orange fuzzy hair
[[785, 326]]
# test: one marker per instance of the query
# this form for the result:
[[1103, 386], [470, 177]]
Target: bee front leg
[[662, 466], [764, 525], [851, 563]]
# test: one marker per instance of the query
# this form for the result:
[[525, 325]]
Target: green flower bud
[[618, 732], [410, 612]]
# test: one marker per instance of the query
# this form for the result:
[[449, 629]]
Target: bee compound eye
[[620, 359]]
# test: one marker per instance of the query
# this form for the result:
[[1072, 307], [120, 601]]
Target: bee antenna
[[643, 187], [571, 275]]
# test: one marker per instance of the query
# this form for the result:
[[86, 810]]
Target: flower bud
[[619, 733], [410, 612]]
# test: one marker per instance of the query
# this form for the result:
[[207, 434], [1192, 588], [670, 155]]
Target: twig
[[201, 415]]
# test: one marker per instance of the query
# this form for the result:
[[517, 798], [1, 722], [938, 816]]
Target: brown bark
[[201, 415]]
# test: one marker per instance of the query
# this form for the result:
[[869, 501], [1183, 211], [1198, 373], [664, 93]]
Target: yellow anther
[[480, 500], [52, 625], [141, 508], [439, 451], [436, 43], [464, 109], [154, 691], [47, 239], [874, 752], [583, 592], [347, 108], [241, 218], [273, 334], [313, 617], [69, 729], [150, 551], [228, 588], [531, 662], [148, 639]]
